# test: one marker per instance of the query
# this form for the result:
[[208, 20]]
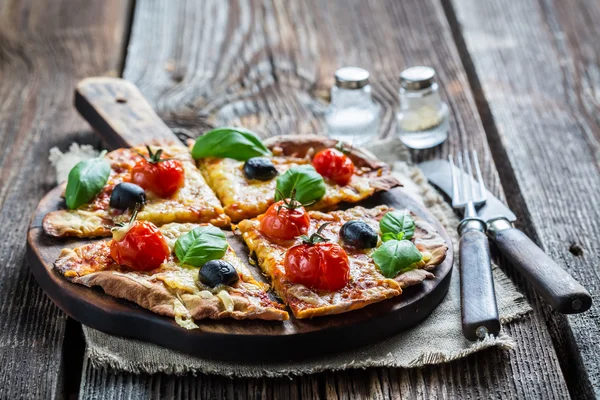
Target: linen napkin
[[437, 339]]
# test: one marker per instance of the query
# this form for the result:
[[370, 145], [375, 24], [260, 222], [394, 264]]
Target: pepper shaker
[[423, 118], [352, 116]]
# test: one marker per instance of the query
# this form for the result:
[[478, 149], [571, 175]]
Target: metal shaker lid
[[351, 78], [417, 78]]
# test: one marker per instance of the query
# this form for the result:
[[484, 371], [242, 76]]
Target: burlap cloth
[[436, 340]]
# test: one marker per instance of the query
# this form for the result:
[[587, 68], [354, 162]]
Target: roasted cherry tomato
[[335, 165], [158, 174], [139, 246], [318, 265], [285, 220]]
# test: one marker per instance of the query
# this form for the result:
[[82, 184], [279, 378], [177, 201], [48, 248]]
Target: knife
[[553, 283]]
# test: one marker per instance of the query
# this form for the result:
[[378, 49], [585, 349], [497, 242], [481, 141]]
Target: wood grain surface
[[537, 70], [45, 48], [268, 66]]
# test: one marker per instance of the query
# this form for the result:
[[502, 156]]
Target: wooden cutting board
[[116, 110]]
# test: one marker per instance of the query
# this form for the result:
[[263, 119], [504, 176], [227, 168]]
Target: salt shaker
[[352, 116], [423, 118]]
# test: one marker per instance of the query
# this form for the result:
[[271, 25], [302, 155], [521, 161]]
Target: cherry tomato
[[335, 165], [283, 222], [321, 266], [143, 248], [159, 175]]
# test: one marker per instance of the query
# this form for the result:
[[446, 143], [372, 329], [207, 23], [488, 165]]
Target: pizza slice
[[311, 275], [247, 188], [164, 178], [140, 265]]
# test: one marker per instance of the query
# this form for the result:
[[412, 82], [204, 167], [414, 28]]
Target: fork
[[478, 297]]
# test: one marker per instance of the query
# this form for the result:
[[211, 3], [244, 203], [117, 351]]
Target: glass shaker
[[423, 118], [352, 116]]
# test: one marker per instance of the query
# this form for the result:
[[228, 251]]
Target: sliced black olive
[[217, 272], [126, 195], [260, 168], [358, 234]]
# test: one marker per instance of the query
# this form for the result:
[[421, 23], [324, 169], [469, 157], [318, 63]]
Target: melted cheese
[[193, 202], [366, 284], [243, 198], [246, 298]]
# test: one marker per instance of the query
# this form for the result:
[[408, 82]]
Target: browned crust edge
[[427, 238], [155, 297], [379, 173]]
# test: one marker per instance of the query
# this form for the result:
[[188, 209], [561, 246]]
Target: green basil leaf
[[307, 182], [388, 236], [86, 180], [396, 256], [200, 245], [237, 143], [397, 222]]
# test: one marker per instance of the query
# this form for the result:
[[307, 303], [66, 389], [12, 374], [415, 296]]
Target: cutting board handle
[[118, 112]]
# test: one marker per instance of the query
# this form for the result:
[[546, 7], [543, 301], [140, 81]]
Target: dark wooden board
[[230, 339], [536, 72], [268, 65], [46, 46]]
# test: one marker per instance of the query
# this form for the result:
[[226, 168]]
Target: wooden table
[[522, 80]]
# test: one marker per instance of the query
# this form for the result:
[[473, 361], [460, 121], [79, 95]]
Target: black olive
[[217, 272], [260, 168], [125, 195], [358, 234]]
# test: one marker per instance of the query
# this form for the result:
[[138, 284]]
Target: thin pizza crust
[[194, 202], [243, 198], [366, 285], [171, 290]]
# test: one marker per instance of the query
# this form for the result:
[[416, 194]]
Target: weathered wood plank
[[45, 47], [538, 73], [105, 384], [268, 65]]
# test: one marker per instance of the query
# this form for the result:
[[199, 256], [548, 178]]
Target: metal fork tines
[[467, 192], [478, 297]]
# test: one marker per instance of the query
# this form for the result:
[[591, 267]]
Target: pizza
[[169, 288], [164, 210], [183, 197], [244, 197], [324, 291]]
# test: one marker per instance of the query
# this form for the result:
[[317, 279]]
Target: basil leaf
[[388, 236], [86, 180], [307, 182], [201, 245], [396, 256], [237, 143], [398, 222]]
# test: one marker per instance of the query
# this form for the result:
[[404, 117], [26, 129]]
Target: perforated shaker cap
[[351, 78], [417, 78]]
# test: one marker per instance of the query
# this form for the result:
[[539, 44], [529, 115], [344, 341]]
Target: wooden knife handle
[[478, 297], [118, 111], [553, 283]]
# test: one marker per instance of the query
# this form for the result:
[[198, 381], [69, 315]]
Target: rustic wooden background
[[522, 81]]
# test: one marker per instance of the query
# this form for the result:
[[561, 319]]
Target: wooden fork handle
[[554, 284], [478, 297]]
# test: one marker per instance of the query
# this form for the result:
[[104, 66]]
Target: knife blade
[[438, 173], [553, 283]]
